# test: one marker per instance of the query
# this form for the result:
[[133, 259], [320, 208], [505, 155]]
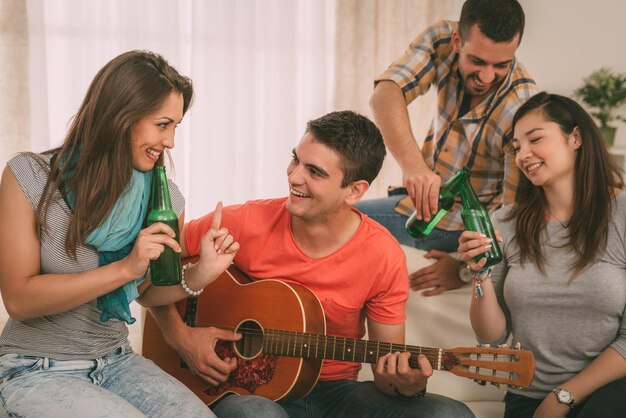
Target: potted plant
[[605, 91]]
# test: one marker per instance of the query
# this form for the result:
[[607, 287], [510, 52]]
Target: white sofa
[[438, 321], [442, 321]]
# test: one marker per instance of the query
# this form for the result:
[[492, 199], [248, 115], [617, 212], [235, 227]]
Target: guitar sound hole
[[251, 343]]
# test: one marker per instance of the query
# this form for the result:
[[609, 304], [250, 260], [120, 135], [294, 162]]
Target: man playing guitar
[[315, 238]]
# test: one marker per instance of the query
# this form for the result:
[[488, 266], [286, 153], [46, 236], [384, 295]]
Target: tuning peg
[[503, 346], [496, 384], [518, 345], [484, 345]]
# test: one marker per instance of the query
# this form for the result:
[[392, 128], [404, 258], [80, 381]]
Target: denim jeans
[[382, 211], [347, 399], [606, 402], [234, 406], [120, 384]]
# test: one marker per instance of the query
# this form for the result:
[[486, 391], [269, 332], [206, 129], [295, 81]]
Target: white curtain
[[14, 135], [370, 35], [261, 69]]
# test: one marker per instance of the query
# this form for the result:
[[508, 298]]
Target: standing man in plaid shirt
[[479, 86]]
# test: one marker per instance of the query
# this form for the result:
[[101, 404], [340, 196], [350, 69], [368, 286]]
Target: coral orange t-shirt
[[365, 277]]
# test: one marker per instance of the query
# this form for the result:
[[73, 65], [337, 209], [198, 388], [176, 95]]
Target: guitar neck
[[305, 345]]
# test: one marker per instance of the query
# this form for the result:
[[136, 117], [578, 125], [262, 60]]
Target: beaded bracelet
[[183, 283], [478, 277]]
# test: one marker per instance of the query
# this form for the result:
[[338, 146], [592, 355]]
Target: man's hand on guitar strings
[[199, 353]]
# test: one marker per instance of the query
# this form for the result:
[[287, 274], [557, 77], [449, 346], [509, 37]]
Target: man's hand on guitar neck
[[401, 380]]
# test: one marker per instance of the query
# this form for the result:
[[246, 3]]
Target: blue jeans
[[347, 398], [606, 402], [382, 211], [234, 406], [120, 384]]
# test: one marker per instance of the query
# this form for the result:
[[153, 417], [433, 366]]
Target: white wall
[[565, 40]]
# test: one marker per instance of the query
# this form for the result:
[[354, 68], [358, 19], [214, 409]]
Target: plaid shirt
[[480, 138]]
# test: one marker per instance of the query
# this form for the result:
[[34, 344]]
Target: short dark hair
[[499, 20], [356, 139]]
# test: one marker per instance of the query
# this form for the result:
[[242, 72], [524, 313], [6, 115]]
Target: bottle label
[[421, 228]]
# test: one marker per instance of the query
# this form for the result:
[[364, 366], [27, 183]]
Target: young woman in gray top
[[561, 288], [74, 254]]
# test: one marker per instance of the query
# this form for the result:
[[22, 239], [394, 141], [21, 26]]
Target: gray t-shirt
[[565, 323], [77, 333]]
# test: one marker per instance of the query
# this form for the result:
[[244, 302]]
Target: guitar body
[[229, 303]]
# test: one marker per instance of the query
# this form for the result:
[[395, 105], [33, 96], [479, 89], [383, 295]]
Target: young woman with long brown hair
[[561, 289], [74, 253]]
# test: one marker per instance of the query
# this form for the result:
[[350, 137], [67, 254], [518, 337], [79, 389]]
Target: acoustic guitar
[[283, 343]]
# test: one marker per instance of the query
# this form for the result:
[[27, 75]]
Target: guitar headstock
[[497, 365]]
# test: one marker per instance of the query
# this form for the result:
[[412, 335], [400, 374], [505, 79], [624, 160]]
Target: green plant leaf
[[605, 91]]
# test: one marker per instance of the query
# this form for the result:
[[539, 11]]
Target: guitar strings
[[360, 347], [271, 333], [292, 343], [296, 344]]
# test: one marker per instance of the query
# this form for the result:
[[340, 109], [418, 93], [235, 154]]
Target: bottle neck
[[468, 196], [160, 193], [452, 187]]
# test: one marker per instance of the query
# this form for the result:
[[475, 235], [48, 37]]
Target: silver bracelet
[[183, 283]]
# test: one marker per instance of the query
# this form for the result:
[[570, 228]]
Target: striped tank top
[[77, 333]]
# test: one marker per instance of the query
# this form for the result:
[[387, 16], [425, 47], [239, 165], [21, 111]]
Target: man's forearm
[[391, 116], [169, 322]]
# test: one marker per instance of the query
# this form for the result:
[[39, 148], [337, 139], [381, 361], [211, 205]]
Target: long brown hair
[[597, 176], [98, 144]]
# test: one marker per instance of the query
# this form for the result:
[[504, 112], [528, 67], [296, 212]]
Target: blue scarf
[[114, 239]]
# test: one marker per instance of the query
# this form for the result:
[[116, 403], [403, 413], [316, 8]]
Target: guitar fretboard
[[496, 365], [299, 344]]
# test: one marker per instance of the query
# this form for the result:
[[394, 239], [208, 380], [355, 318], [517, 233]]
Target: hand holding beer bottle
[[419, 228], [474, 215], [165, 270], [475, 218]]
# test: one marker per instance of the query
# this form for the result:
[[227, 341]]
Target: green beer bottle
[[476, 218], [165, 270], [447, 193]]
